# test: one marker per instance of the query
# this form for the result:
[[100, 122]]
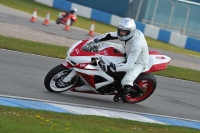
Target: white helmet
[[126, 24], [74, 9]]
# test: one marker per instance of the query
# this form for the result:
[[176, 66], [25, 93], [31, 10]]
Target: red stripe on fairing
[[88, 78], [107, 51], [154, 53], [83, 65], [67, 64], [158, 67]]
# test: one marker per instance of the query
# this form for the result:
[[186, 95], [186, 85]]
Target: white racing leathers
[[137, 55]]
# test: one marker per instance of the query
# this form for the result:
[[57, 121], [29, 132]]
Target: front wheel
[[58, 20], [54, 79], [147, 82]]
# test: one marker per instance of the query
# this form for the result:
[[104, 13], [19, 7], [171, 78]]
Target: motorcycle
[[64, 17], [85, 70]]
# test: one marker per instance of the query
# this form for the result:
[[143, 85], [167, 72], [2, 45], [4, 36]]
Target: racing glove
[[110, 68], [96, 40]]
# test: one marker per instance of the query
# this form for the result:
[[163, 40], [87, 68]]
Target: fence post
[[186, 19], [138, 12], [171, 14], [154, 12]]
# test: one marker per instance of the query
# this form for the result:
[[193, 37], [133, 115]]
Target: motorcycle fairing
[[157, 62], [88, 75]]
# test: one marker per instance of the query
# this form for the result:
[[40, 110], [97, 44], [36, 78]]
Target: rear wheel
[[147, 82], [72, 21], [54, 79]]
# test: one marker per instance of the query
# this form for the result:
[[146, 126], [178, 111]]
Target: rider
[[136, 52], [73, 11], [72, 15]]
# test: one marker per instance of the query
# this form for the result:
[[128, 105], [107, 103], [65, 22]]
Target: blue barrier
[[62, 4], [140, 26], [101, 16], [164, 36], [192, 44]]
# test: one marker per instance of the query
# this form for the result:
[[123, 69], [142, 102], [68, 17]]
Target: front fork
[[70, 76]]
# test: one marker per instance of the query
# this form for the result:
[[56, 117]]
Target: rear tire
[[147, 82], [72, 21], [54, 79]]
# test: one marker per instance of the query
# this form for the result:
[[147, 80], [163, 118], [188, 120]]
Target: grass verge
[[20, 120], [60, 52]]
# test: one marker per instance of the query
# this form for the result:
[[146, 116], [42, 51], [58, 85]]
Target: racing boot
[[119, 95], [127, 88]]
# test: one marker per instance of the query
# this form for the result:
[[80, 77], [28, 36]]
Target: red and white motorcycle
[[84, 70], [64, 17]]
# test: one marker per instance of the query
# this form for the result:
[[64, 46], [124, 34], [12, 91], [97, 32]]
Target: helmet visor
[[121, 32]]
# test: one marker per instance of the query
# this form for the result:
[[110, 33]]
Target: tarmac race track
[[23, 74]]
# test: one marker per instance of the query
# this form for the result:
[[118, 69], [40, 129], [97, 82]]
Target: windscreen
[[90, 46]]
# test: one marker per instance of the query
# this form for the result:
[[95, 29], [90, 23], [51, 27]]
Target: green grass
[[169, 47], [60, 52], [180, 73], [32, 47], [19, 120]]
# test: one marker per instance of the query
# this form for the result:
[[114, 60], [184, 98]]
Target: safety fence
[[174, 15], [158, 33]]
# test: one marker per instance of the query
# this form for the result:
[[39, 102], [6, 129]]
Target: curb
[[90, 110]]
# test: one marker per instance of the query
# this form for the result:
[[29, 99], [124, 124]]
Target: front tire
[[54, 79], [58, 20], [147, 82]]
